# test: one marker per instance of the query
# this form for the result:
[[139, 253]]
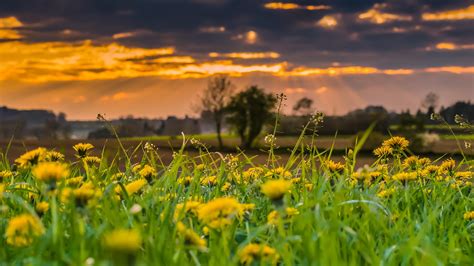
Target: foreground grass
[[223, 210]]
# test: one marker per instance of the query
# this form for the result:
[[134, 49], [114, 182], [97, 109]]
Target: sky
[[153, 58]]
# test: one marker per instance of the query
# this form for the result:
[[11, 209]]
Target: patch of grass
[[210, 209]]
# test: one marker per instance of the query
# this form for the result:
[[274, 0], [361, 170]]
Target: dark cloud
[[292, 33]]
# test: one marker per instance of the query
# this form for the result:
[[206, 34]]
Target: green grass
[[340, 221], [459, 137]]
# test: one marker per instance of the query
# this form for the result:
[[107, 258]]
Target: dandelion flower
[[147, 172], [50, 171], [258, 253], [273, 218], [90, 160], [385, 193], [31, 158], [209, 180], [279, 172], [464, 175], [5, 174], [191, 238], [82, 149], [54, 156], [190, 206], [404, 177], [334, 167], [23, 229], [469, 216], [135, 186], [397, 143], [220, 212], [383, 151], [126, 241], [186, 180], [291, 212], [276, 189], [42, 207]]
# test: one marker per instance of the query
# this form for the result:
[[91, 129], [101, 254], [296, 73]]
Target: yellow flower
[[424, 161], [335, 167], [191, 238], [385, 193], [225, 187], [469, 215], [186, 181], [276, 189], [258, 252], [250, 175], [31, 158], [397, 143], [54, 156], [23, 229], [447, 166], [209, 180], [5, 174], [74, 181], [464, 175], [411, 162], [42, 207], [429, 171], [404, 177], [200, 167], [126, 241], [50, 171], [291, 212], [85, 194], [220, 212], [135, 186], [190, 206], [118, 176], [273, 218], [82, 149], [383, 151], [147, 172], [91, 160], [279, 172]]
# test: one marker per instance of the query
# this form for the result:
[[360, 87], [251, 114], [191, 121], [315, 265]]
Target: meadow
[[209, 208]]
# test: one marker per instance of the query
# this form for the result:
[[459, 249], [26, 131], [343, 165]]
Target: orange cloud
[[61, 61], [457, 14], [10, 22], [219, 29], [292, 6], [451, 46], [377, 16], [123, 35], [8, 27], [250, 37], [246, 55], [116, 97], [175, 60], [328, 22], [321, 90], [294, 90], [452, 69]]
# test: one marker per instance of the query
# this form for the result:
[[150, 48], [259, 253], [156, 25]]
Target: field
[[313, 204]]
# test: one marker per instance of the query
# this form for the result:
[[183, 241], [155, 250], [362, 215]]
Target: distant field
[[167, 145]]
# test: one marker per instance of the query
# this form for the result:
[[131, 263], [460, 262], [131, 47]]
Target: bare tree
[[215, 99]]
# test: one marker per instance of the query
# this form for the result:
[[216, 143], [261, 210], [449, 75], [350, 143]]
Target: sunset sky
[[152, 58]]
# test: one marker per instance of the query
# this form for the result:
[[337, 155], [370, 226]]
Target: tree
[[215, 98], [249, 111], [303, 106], [430, 103]]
